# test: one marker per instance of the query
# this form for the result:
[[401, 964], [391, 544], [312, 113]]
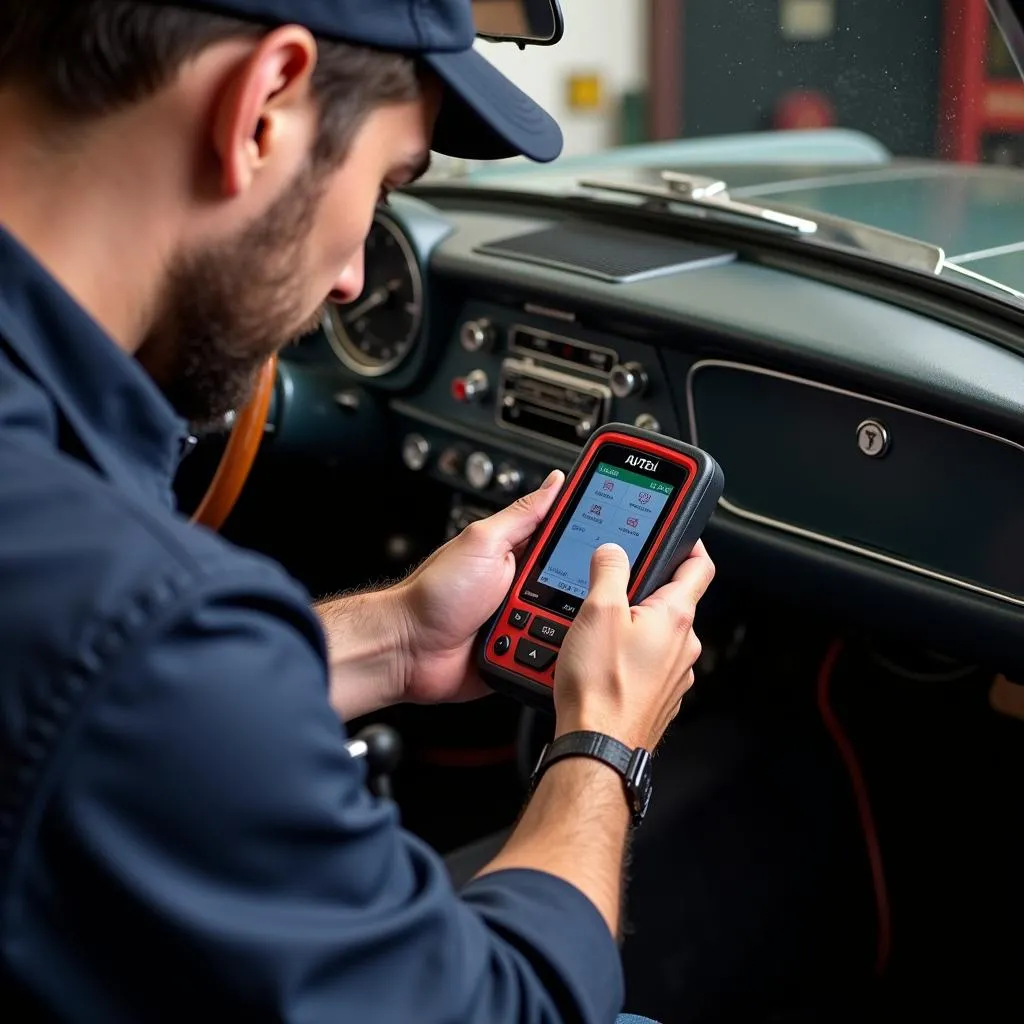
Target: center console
[[516, 393]]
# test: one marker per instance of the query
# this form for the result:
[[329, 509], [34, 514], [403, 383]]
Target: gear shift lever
[[382, 748]]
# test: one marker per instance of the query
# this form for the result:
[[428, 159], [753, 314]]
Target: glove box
[[916, 491]]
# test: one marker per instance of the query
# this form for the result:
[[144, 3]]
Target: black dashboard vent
[[617, 255]]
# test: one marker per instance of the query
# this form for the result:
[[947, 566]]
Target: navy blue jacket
[[182, 832]]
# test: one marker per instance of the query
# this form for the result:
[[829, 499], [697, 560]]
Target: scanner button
[[548, 631], [502, 645], [534, 656], [518, 618]]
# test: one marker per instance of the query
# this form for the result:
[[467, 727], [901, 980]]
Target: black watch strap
[[633, 765]]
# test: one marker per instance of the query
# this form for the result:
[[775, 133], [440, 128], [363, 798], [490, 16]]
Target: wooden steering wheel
[[240, 453]]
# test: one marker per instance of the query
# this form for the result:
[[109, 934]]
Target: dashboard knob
[[627, 380], [584, 428], [415, 451], [450, 461], [476, 335], [471, 387], [479, 470], [645, 421], [509, 478]]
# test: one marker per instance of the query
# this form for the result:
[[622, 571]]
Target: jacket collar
[[120, 417]]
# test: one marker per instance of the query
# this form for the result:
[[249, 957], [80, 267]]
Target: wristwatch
[[633, 765]]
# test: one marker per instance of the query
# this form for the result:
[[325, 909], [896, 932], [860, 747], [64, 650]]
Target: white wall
[[604, 36]]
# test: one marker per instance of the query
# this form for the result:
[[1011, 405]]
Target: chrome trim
[[541, 373], [982, 279], [703, 197], [338, 338], [562, 339], [826, 229], [555, 314], [987, 254], [823, 538]]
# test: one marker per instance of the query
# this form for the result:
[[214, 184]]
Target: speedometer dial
[[378, 332]]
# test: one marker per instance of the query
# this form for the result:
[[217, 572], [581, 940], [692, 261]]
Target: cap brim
[[485, 117]]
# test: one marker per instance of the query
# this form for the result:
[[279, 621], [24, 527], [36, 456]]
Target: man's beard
[[227, 309]]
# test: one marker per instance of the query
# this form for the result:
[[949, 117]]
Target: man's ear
[[265, 102]]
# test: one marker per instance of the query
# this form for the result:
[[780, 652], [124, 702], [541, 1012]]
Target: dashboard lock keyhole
[[873, 439]]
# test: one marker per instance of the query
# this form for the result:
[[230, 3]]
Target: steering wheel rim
[[240, 453]]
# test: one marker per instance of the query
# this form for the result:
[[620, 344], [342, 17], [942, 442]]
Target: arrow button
[[534, 656]]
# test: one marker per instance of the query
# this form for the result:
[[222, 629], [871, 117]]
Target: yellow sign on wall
[[586, 91]]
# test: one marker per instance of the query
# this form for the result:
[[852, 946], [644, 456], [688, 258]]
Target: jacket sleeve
[[208, 848]]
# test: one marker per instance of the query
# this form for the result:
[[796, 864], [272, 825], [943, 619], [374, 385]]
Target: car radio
[[549, 404], [580, 355]]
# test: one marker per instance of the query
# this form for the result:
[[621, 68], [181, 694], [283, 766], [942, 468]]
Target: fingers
[[609, 578], [697, 562], [513, 526], [681, 595]]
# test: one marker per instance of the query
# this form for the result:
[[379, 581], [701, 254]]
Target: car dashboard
[[873, 453]]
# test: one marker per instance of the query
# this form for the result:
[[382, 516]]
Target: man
[[181, 829]]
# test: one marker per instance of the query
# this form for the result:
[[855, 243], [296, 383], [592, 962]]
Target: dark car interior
[[843, 785]]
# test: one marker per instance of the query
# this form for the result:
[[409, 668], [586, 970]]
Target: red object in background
[[802, 109], [973, 103], [459, 389], [863, 801]]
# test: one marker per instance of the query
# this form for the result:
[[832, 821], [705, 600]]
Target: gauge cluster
[[382, 337], [377, 333]]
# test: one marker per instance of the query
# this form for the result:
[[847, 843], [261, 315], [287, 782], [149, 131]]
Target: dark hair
[[88, 58]]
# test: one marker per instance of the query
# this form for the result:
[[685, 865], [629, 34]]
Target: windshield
[[901, 115]]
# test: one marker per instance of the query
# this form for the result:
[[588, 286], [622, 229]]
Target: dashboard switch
[[627, 380], [415, 451], [476, 335], [645, 421], [479, 470], [450, 461], [509, 478], [471, 387]]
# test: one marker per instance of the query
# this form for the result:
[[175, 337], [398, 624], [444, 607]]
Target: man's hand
[[622, 671], [457, 590], [625, 670], [412, 643]]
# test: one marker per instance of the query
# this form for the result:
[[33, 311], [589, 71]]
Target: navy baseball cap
[[483, 115]]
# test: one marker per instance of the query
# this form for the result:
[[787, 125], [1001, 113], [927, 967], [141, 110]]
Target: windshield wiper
[[711, 196]]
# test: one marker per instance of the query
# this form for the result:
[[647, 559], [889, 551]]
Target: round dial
[[377, 333]]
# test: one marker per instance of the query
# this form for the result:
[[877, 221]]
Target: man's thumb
[[609, 575], [516, 524]]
